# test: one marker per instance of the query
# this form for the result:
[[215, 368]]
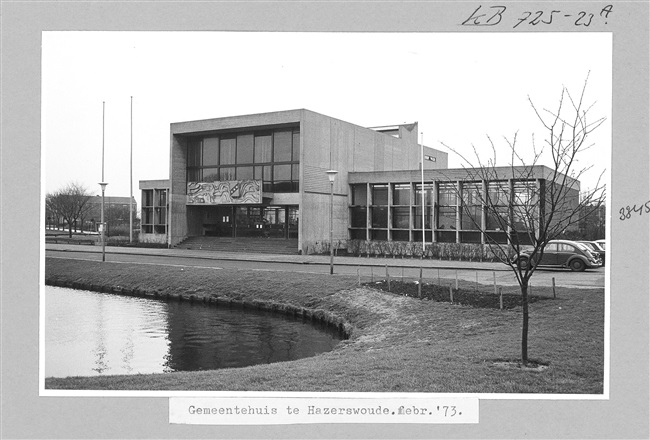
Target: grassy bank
[[398, 343]]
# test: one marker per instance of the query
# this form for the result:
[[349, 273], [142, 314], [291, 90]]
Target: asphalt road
[[483, 273]]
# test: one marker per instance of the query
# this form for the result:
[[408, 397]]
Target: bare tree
[[524, 205], [69, 203]]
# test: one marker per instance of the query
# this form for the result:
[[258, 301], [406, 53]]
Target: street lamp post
[[331, 174], [103, 224]]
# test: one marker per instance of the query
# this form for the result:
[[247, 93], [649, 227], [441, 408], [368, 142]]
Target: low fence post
[[494, 277], [387, 278], [451, 294], [358, 276], [476, 285], [456, 279], [420, 284], [438, 276], [372, 274], [553, 280], [500, 298]]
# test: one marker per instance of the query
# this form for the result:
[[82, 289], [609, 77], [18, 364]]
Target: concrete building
[[116, 213], [264, 175]]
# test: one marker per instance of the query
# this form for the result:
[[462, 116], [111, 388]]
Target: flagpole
[[423, 207], [103, 184], [131, 176]]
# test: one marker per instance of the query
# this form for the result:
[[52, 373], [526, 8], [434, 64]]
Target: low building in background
[[116, 214]]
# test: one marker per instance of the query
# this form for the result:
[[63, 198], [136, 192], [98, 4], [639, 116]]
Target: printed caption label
[[285, 411]]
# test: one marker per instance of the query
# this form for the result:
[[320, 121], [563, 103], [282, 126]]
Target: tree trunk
[[69, 228], [524, 327]]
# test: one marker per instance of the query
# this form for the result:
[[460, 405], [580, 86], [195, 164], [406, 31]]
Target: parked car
[[594, 246], [562, 253], [601, 243]]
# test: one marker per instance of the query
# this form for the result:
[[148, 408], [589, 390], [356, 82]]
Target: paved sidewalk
[[273, 258]]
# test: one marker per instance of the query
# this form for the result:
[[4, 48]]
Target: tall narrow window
[[194, 153], [210, 152], [379, 210], [227, 151], [263, 148], [472, 206], [428, 206], [245, 149], [447, 206], [282, 146], [295, 155], [497, 200]]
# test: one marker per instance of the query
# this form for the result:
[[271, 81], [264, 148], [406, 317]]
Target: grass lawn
[[398, 343]]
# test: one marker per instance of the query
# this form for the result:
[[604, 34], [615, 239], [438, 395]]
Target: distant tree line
[[74, 208]]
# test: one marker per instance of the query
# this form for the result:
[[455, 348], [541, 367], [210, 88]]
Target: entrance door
[[225, 220]]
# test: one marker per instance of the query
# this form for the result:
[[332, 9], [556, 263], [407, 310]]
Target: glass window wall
[[231, 157], [453, 216]]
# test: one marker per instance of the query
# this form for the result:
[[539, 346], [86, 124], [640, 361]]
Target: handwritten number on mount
[[493, 15], [627, 211], [606, 10], [581, 16]]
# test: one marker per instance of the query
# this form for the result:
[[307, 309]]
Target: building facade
[[264, 175]]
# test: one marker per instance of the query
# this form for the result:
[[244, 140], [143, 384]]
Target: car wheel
[[522, 263], [577, 265]]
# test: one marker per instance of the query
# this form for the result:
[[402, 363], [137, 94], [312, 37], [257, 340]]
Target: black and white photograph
[[259, 212], [383, 227]]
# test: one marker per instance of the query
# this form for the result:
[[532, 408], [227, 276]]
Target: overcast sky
[[459, 87]]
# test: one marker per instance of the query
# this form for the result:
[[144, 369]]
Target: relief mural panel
[[225, 192]]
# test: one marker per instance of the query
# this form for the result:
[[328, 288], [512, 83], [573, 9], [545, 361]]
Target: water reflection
[[88, 333]]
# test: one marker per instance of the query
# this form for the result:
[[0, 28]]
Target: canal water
[[90, 333]]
